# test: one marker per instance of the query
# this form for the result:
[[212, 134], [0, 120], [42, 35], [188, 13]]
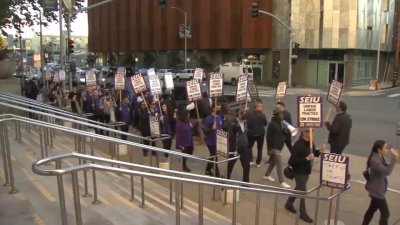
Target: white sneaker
[[285, 185], [269, 178], [252, 163], [258, 165]]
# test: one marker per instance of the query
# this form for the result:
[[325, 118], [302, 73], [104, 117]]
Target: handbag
[[366, 174], [288, 172]]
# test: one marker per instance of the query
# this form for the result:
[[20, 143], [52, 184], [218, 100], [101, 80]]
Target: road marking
[[393, 95], [39, 186], [389, 189]]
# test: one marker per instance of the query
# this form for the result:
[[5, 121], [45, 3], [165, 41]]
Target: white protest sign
[[334, 170], [241, 90], [335, 92], [90, 78], [62, 75], [56, 77], [119, 81], [169, 81], [222, 143], [138, 83], [154, 126], [198, 74], [121, 70], [309, 111], [216, 84], [281, 90], [155, 86], [193, 90], [47, 74]]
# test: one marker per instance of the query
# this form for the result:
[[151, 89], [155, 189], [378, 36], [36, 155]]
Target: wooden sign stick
[[145, 102]]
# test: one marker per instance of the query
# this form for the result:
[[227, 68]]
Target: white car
[[185, 74], [161, 72]]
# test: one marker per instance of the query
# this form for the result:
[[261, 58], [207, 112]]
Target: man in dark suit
[[339, 130], [288, 118]]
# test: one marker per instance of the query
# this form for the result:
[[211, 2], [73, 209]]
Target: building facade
[[221, 31], [341, 40]]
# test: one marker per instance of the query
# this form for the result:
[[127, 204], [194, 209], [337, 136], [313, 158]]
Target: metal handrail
[[177, 177], [134, 144], [45, 107], [88, 124]]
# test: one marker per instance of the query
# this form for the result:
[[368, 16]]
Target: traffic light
[[254, 10], [163, 4], [70, 46]]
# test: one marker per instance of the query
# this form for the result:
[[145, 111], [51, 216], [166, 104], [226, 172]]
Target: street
[[375, 114]]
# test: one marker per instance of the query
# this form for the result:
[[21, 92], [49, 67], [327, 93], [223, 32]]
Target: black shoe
[[185, 169], [290, 208], [209, 173], [306, 218]]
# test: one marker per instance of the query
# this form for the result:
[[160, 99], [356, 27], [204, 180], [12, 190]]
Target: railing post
[[86, 194], [234, 207], [41, 142], [129, 147], [61, 196], [77, 203], [177, 206], [297, 219], [258, 196], [8, 155], [4, 155], [200, 204], [143, 203], [317, 206], [337, 209], [275, 217]]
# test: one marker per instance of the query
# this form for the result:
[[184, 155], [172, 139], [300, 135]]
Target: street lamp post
[[185, 36], [291, 35]]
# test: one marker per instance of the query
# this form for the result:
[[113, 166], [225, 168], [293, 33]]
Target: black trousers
[[337, 149], [260, 143], [244, 160], [376, 204], [124, 128], [288, 142], [187, 150], [98, 118], [213, 151], [167, 143], [301, 185], [148, 142]]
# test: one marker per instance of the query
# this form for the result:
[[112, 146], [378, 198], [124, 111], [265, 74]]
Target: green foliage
[[91, 59], [148, 59], [25, 13], [173, 59], [128, 60], [111, 60], [3, 43]]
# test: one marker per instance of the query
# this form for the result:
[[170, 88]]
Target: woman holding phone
[[377, 183]]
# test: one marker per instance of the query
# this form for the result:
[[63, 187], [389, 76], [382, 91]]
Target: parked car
[[185, 74]]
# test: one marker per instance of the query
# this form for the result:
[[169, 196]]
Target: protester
[[301, 162], [95, 108], [211, 124], [275, 141], [108, 104], [167, 123], [339, 130], [377, 183], [144, 124], [288, 118], [74, 101], [184, 135], [256, 122], [238, 133], [124, 116]]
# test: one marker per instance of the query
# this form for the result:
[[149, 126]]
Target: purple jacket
[[211, 135], [125, 115], [183, 134]]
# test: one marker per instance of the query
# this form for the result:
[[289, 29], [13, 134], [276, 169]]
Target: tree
[[173, 59], [3, 47], [111, 61], [148, 59], [91, 59], [21, 13]]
